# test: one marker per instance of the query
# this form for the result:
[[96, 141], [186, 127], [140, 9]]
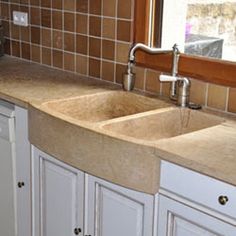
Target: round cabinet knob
[[223, 200], [20, 184], [77, 231]]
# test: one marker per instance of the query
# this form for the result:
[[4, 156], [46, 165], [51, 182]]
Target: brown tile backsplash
[[95, 26], [152, 82], [108, 28], [46, 37], [57, 58], [108, 70], [95, 7], [94, 47], [82, 64], [35, 16], [94, 67], [46, 16], [124, 9], [25, 47], [46, 56], [217, 96], [57, 20], [35, 54], [69, 5], [109, 8], [198, 92], [95, 32], [81, 24], [124, 30], [69, 42], [232, 100], [46, 3], [108, 49], [69, 61], [92, 38]]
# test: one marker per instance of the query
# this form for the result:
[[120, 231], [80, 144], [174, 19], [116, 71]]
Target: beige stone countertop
[[22, 83], [127, 161]]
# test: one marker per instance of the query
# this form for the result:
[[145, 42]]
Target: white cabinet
[[116, 211], [58, 197], [192, 204], [7, 183], [178, 219], [22, 173], [69, 202], [15, 202], [200, 189], [7, 170], [63, 197]]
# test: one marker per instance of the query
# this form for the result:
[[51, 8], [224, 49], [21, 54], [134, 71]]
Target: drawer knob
[[77, 231], [21, 184], [223, 200]]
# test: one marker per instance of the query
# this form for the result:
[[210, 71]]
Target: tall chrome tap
[[129, 77], [180, 92]]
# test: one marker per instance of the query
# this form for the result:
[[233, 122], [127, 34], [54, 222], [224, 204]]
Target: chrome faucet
[[174, 72], [181, 94], [129, 77]]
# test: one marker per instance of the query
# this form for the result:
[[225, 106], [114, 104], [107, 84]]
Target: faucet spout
[[129, 77], [145, 48]]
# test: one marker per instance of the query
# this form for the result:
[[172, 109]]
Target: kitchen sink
[[105, 105], [164, 124]]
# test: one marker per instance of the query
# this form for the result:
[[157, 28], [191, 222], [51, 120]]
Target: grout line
[[9, 24], [29, 21], [227, 100], [63, 35], [74, 36], [145, 80], [116, 43], [81, 34], [101, 39], [206, 95], [88, 40], [51, 35], [66, 11], [74, 53]]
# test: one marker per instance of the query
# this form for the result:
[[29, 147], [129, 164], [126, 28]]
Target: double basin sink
[[133, 116]]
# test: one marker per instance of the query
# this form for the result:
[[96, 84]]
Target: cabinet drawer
[[7, 128], [198, 188]]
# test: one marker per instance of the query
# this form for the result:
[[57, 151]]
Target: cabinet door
[[58, 197], [177, 219], [7, 206], [114, 210], [23, 193]]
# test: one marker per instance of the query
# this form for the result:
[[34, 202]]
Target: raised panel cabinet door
[[114, 210], [177, 219], [23, 173], [7, 206], [58, 197]]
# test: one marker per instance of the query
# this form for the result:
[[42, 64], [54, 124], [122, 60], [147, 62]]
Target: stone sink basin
[[165, 123], [105, 105]]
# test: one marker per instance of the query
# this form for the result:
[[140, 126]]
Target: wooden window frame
[[205, 69]]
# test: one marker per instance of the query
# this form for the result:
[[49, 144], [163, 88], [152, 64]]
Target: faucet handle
[[168, 78]]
